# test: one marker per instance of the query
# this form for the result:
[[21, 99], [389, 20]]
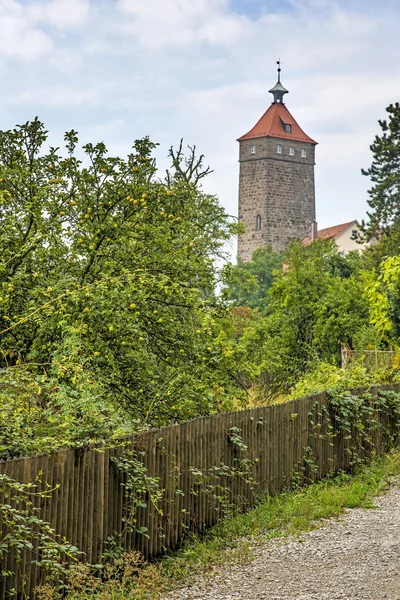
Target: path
[[356, 557]]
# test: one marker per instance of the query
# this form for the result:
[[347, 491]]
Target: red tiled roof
[[330, 233], [272, 124]]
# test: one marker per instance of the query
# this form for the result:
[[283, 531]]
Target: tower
[[276, 179]]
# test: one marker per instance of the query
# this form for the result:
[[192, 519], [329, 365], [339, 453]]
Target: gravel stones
[[355, 557]]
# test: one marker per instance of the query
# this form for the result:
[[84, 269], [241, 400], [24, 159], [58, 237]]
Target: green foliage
[[384, 297], [40, 414], [326, 376], [384, 172], [249, 282], [139, 488], [23, 529], [315, 305], [106, 283]]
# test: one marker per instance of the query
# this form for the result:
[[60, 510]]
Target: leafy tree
[[249, 282], [384, 297], [313, 309], [107, 276], [384, 172]]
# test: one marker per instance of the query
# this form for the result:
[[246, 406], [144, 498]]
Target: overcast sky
[[117, 70]]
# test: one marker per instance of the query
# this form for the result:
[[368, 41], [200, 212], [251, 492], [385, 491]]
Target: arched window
[[258, 223]]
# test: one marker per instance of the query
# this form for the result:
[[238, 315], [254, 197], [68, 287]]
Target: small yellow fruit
[[141, 339], [191, 243], [111, 328], [62, 213], [132, 305], [198, 331], [169, 193], [97, 353], [159, 321]]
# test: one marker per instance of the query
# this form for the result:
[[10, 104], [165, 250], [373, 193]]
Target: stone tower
[[276, 179]]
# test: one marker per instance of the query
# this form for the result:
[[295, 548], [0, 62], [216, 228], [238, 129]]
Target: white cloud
[[59, 96], [18, 37], [179, 23], [61, 14]]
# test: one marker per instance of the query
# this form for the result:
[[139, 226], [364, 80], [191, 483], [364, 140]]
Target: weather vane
[[278, 62]]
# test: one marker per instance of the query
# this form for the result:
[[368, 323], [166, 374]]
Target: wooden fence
[[90, 503]]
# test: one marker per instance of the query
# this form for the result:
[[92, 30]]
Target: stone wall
[[278, 187]]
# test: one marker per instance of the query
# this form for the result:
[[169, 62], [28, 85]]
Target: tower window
[[279, 149], [303, 153], [258, 223], [288, 128], [291, 151], [252, 149]]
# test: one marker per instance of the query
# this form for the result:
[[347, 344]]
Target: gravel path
[[354, 557]]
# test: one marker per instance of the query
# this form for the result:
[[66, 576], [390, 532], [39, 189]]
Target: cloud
[[181, 23], [19, 38], [59, 96], [61, 14]]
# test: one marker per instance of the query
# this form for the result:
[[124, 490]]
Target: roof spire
[[278, 90]]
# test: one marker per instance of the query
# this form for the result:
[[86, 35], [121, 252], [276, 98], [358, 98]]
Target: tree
[[107, 276], [384, 172], [249, 282], [315, 305]]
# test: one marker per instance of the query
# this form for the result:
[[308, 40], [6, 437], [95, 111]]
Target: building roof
[[330, 233], [272, 124]]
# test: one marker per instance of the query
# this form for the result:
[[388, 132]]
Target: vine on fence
[[216, 482], [353, 420], [23, 530]]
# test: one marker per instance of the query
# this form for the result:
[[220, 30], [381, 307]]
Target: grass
[[290, 513]]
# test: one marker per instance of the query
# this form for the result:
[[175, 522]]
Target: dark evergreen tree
[[384, 172]]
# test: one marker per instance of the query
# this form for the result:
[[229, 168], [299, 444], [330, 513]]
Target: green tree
[[107, 276], [314, 307], [249, 282], [384, 172]]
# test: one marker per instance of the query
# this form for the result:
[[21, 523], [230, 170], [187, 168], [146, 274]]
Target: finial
[[278, 90]]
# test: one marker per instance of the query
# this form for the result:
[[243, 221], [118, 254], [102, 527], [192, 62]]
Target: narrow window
[[291, 151], [252, 149], [258, 223], [303, 153], [354, 234], [288, 128], [279, 149]]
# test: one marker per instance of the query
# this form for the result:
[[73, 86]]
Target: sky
[[117, 70]]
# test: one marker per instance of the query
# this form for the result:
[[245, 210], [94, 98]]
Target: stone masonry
[[278, 187]]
